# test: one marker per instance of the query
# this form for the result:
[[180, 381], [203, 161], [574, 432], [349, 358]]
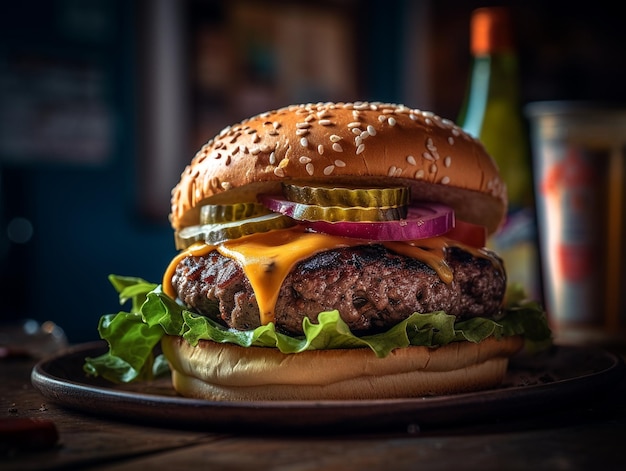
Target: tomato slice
[[467, 233]]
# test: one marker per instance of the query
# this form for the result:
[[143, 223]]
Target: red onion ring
[[423, 220]]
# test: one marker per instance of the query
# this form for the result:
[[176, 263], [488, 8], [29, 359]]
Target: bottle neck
[[493, 79]]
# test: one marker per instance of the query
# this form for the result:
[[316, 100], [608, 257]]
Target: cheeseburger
[[329, 251]]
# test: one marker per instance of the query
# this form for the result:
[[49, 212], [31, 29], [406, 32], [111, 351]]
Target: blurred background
[[103, 103]]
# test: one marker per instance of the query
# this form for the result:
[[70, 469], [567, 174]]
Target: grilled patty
[[372, 287]]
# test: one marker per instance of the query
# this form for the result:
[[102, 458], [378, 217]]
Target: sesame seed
[[428, 156], [371, 130], [309, 118], [337, 147], [304, 159], [255, 151], [411, 160], [354, 124], [226, 185], [447, 161], [309, 168], [328, 170], [365, 134], [439, 122], [451, 140], [445, 180], [391, 121], [455, 132], [419, 174], [304, 142], [303, 125], [340, 163], [392, 171], [279, 172], [356, 131], [302, 132], [320, 149], [325, 122], [334, 138], [358, 141], [382, 118], [273, 158], [428, 121], [433, 168], [276, 124], [360, 149]]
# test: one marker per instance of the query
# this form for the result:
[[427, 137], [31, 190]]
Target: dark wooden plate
[[553, 379]]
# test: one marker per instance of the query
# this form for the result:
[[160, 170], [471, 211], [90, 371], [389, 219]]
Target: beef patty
[[372, 287]]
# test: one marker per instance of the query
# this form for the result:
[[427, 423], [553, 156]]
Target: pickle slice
[[219, 213], [313, 212], [214, 234], [347, 197]]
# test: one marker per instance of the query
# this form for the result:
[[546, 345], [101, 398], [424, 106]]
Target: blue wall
[[85, 217]]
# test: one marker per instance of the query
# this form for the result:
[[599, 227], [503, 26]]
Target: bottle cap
[[491, 31]]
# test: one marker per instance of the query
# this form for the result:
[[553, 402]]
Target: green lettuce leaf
[[132, 336]]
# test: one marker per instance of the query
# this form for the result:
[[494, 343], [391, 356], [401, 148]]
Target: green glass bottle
[[492, 112]]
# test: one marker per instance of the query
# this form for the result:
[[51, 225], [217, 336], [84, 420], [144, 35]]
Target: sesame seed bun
[[370, 143], [227, 372]]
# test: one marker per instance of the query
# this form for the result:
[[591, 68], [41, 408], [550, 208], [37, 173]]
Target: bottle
[[492, 112]]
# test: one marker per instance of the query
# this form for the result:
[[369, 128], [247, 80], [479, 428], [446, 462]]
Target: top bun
[[357, 144]]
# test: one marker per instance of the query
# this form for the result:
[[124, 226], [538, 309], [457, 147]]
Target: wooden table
[[589, 435]]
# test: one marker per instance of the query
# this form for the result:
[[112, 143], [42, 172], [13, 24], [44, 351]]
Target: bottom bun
[[227, 372]]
